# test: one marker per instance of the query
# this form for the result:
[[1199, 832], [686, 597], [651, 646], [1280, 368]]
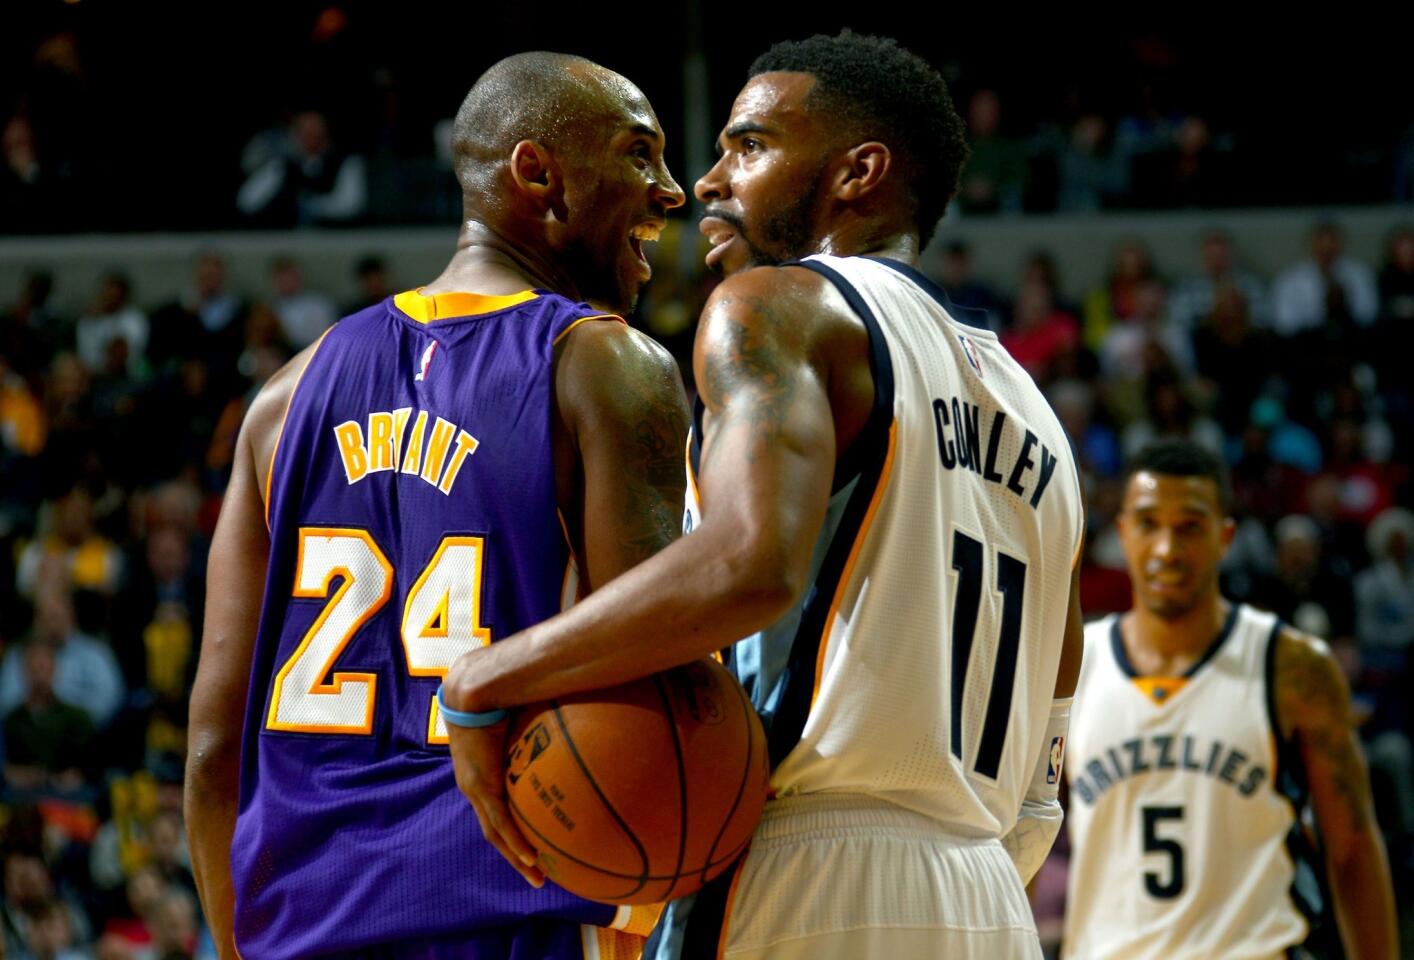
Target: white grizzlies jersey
[[1185, 836], [920, 666]]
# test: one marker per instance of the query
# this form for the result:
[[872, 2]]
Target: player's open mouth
[[647, 232], [719, 233]]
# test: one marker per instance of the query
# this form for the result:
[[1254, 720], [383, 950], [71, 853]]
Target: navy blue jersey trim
[[709, 914], [695, 449], [1127, 668], [881, 368], [964, 315], [1309, 892], [869, 451]]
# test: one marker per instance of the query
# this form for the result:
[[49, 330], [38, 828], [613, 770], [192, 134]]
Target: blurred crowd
[[347, 121], [118, 425]]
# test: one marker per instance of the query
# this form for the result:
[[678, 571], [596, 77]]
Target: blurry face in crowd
[[1174, 534], [1131, 262], [287, 280], [210, 275], [984, 114], [1217, 255], [1402, 254], [27, 882], [54, 616], [1325, 245], [311, 133], [618, 191], [762, 194]]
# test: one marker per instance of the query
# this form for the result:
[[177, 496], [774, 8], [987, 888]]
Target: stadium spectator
[[1130, 268], [1040, 333], [1302, 577], [303, 314], [1195, 297], [113, 318], [963, 288], [310, 182], [374, 283], [994, 180], [1384, 592], [1091, 176], [1233, 357], [1326, 287], [85, 675], [48, 742]]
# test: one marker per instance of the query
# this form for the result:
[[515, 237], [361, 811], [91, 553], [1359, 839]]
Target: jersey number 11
[[968, 561]]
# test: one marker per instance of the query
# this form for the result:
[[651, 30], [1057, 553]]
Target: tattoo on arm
[[1316, 708], [651, 454], [746, 365]]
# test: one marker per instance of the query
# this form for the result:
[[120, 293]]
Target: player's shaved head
[[552, 99]]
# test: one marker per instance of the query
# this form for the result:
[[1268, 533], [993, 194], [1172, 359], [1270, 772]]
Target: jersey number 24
[[441, 621]]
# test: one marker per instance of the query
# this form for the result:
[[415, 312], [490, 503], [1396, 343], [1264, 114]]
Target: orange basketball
[[642, 792]]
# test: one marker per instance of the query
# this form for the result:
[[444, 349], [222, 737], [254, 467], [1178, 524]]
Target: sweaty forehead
[[778, 97], [1157, 491]]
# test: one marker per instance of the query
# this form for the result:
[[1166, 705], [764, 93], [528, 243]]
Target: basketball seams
[[672, 718], [623, 824], [741, 786]]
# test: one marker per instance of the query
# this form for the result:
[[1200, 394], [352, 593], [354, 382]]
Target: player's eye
[[750, 144], [641, 153]]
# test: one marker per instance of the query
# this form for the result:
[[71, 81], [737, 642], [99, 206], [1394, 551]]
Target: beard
[[785, 235]]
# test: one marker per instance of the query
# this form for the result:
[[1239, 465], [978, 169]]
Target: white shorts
[[844, 877]]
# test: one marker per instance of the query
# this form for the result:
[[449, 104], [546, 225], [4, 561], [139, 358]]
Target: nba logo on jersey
[[426, 361], [971, 352], [1053, 769]]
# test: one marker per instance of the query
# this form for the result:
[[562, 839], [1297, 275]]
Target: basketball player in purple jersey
[[439, 471]]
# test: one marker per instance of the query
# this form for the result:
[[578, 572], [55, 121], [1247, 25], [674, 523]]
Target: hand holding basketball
[[478, 759]]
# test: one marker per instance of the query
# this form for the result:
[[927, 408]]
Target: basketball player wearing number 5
[[1202, 731], [882, 503], [432, 475]]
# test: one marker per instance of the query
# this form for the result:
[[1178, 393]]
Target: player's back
[[920, 666], [413, 514]]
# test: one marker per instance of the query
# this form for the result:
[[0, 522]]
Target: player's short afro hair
[[1182, 458], [877, 89]]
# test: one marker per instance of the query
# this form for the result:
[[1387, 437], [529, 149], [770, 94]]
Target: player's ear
[[537, 174], [865, 167], [1229, 530]]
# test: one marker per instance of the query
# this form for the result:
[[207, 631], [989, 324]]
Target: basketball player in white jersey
[[884, 506], [1202, 728]]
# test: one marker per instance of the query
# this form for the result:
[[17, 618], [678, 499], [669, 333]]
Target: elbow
[[765, 580]]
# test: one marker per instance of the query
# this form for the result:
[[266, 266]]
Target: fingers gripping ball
[[642, 792]]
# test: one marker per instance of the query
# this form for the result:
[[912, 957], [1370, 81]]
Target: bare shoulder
[[796, 297], [266, 415], [1311, 691], [760, 319], [610, 370]]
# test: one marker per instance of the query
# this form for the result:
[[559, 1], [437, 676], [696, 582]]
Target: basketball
[[642, 792]]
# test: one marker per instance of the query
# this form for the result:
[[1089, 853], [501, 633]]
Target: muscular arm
[[1313, 705], [767, 465], [235, 586], [621, 402]]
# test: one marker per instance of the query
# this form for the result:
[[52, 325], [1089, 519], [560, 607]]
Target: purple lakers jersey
[[413, 516]]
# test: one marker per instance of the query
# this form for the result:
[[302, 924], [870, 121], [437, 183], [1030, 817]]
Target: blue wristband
[[468, 718]]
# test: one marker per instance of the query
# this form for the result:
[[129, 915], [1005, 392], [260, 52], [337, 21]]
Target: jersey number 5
[[1173, 886], [967, 561], [441, 621]]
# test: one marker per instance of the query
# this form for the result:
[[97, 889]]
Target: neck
[[1161, 643], [488, 261], [851, 236]]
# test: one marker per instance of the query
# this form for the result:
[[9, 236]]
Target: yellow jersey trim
[[427, 308], [1159, 689], [598, 316]]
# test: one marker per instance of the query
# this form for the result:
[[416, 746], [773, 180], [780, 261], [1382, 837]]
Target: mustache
[[717, 213]]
